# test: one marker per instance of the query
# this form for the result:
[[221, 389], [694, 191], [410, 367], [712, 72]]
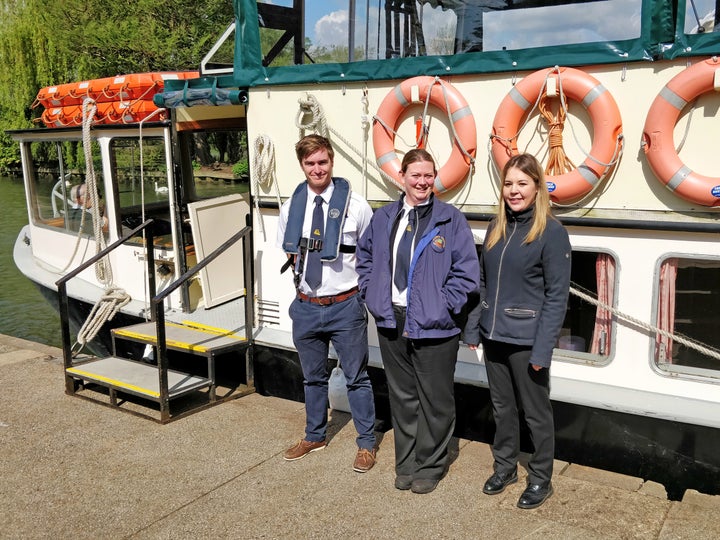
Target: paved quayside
[[71, 468]]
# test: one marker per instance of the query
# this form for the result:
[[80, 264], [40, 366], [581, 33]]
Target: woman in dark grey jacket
[[524, 285]]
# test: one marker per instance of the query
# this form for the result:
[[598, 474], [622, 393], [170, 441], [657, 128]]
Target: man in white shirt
[[318, 228]]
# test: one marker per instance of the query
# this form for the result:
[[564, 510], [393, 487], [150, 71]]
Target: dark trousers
[[515, 386], [345, 325], [420, 376]]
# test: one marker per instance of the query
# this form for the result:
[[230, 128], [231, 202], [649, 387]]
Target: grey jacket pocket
[[520, 313]]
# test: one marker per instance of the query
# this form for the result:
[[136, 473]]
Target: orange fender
[[604, 114], [452, 173], [658, 134]]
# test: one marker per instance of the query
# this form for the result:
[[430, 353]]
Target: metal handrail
[[61, 284], [158, 315]]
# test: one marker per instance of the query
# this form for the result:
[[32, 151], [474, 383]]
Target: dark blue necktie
[[313, 271], [402, 257]]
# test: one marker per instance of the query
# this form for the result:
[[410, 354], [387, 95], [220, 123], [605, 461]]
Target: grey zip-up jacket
[[524, 288]]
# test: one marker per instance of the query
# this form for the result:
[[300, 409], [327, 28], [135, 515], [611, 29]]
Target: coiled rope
[[264, 167], [113, 298], [310, 108], [558, 162]]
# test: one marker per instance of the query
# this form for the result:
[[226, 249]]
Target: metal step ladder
[[144, 380]]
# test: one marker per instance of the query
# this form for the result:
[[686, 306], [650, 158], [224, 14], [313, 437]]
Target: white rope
[[113, 298], [365, 131], [701, 348], [103, 270], [310, 107], [265, 172], [104, 310]]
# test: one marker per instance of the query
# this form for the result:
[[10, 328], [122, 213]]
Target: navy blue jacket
[[443, 271], [523, 288]]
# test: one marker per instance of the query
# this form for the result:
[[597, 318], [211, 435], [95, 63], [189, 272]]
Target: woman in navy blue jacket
[[417, 298], [524, 286]]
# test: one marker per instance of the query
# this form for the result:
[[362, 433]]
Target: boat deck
[[220, 473]]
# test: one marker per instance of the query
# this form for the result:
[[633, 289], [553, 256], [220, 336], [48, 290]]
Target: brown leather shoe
[[302, 449], [364, 460]]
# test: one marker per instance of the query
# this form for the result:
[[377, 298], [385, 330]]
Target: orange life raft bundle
[[120, 100]]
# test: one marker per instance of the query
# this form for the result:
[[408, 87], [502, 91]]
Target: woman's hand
[[536, 367]]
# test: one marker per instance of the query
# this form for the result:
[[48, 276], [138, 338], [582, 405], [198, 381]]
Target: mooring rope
[[265, 173], [692, 344], [114, 298], [311, 108]]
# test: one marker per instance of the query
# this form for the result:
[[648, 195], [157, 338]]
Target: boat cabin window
[[588, 321], [219, 160], [59, 191], [380, 29], [688, 307], [141, 180]]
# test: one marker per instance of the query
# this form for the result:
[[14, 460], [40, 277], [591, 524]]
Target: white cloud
[[331, 29]]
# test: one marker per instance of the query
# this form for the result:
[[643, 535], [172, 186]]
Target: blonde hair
[[529, 165]]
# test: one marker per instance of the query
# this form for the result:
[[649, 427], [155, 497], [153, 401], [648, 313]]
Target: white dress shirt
[[339, 275]]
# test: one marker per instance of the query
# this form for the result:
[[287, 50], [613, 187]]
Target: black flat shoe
[[534, 495], [424, 485], [499, 481], [403, 481]]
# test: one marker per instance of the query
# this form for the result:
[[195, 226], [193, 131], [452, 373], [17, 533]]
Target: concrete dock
[[70, 468]]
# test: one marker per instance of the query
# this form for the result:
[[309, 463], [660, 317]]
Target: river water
[[24, 312]]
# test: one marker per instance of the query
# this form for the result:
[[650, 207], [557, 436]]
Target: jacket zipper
[[497, 289]]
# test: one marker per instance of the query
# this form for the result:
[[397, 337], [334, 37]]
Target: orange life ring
[[604, 114], [658, 135], [418, 90]]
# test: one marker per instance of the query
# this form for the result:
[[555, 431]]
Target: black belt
[[328, 300]]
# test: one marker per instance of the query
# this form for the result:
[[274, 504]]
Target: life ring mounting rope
[[428, 91], [607, 139], [658, 143]]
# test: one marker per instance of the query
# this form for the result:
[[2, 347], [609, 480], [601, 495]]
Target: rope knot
[[558, 162]]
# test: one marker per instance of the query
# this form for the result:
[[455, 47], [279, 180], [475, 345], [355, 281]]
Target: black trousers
[[420, 377], [515, 385]]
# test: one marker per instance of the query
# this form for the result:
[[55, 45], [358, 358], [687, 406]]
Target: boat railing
[[158, 315], [64, 307]]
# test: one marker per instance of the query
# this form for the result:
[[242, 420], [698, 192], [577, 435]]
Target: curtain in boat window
[[605, 275], [666, 310]]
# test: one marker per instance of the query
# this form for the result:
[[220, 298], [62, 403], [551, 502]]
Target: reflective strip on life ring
[[658, 134], [600, 105], [414, 91]]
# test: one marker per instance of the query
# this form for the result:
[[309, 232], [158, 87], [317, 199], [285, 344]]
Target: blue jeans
[[345, 325]]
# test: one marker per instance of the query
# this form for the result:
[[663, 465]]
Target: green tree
[[47, 43]]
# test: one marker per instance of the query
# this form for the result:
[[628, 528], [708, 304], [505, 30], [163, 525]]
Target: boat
[[584, 85]]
